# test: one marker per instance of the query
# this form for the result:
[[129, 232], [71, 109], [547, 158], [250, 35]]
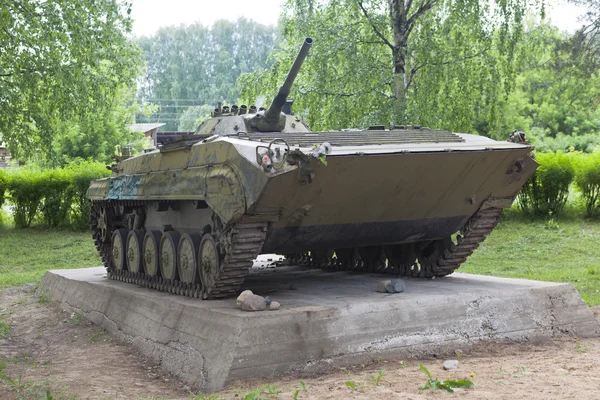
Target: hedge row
[[546, 192], [56, 197]]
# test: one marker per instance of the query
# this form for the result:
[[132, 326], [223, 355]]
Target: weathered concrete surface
[[326, 320]]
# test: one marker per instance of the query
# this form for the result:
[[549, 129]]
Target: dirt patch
[[64, 353]]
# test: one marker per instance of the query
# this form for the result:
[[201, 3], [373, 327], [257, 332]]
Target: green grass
[[26, 254], [556, 250]]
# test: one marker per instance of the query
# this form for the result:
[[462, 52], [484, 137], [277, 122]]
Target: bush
[[26, 191], [587, 180], [57, 195], [82, 173], [546, 192], [3, 185], [58, 198]]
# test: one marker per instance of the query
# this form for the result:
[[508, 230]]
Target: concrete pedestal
[[326, 320]]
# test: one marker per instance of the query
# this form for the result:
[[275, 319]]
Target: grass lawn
[[565, 250], [26, 254]]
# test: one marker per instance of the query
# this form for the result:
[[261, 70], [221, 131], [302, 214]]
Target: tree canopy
[[439, 63], [197, 65], [60, 60]]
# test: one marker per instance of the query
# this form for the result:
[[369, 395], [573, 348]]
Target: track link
[[244, 245], [446, 256]]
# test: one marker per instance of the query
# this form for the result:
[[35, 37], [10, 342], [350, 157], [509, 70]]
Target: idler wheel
[[168, 255], [135, 240], [208, 263], [187, 257], [150, 251], [119, 238]]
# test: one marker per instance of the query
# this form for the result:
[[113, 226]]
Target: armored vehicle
[[191, 216]]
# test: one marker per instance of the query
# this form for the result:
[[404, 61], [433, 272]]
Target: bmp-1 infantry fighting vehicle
[[190, 217]]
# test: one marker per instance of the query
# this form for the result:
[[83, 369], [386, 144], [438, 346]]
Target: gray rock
[[382, 286], [274, 306], [254, 303], [450, 364], [242, 297], [391, 286], [396, 286]]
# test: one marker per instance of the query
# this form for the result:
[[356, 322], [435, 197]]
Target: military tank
[[190, 217]]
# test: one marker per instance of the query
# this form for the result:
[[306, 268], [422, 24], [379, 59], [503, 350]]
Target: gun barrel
[[272, 114]]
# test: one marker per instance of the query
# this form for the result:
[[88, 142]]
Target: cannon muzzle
[[272, 114]]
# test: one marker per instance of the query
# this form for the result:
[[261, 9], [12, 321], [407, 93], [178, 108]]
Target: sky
[[149, 15]]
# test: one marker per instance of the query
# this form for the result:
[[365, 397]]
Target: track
[[433, 259], [242, 243], [245, 241]]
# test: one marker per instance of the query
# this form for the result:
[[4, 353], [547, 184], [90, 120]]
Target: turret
[[271, 120]]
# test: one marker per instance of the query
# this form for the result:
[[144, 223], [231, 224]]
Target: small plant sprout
[[580, 348], [272, 390], [377, 379], [352, 385], [297, 391], [447, 385]]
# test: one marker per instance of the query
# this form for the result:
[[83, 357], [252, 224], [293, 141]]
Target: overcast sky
[[149, 15]]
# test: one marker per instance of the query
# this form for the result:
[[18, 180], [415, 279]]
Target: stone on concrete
[[254, 302], [274, 306], [242, 297], [382, 285], [391, 286], [396, 286], [331, 320], [450, 364]]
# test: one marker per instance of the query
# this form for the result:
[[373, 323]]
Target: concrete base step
[[327, 320]]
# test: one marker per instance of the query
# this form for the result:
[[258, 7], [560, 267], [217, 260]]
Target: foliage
[[195, 64], [3, 185], [57, 194], [61, 59], [377, 379], [587, 180], [95, 134], [447, 385], [193, 116], [57, 197], [5, 329], [442, 65], [82, 173], [555, 96], [26, 191], [546, 192]]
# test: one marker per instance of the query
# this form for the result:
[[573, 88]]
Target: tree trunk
[[399, 21]]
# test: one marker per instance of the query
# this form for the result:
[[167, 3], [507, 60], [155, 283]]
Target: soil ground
[[55, 351]]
